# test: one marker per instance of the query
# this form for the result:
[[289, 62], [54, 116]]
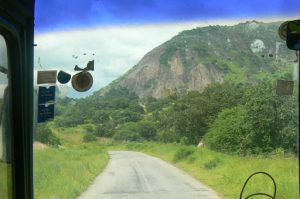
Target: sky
[[118, 33], [68, 14]]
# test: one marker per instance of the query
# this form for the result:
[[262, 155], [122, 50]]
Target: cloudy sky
[[117, 33]]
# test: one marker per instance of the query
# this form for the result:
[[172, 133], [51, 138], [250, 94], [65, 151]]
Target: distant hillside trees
[[190, 117], [117, 106], [235, 118]]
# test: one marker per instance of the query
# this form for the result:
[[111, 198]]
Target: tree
[[191, 116], [100, 117], [272, 118], [147, 130], [104, 130], [228, 133], [89, 137], [127, 132], [263, 123], [123, 116]]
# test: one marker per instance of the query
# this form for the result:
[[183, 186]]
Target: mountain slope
[[195, 58]]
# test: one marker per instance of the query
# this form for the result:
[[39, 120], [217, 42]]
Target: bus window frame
[[16, 26]]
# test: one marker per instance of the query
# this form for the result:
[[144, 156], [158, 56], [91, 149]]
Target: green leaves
[[262, 123], [191, 116], [134, 131], [228, 132]]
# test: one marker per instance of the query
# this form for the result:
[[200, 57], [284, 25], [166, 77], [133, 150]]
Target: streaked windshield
[[182, 99]]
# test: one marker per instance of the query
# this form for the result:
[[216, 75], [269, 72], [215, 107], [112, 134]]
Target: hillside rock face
[[149, 78], [196, 58]]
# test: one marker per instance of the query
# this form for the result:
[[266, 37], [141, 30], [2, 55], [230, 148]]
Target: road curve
[[134, 175]]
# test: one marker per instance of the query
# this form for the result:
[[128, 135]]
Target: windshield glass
[[165, 99]]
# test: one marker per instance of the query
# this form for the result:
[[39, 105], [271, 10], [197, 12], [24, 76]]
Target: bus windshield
[[165, 99]]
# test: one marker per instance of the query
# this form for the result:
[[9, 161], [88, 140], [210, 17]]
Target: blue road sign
[[45, 112], [46, 94]]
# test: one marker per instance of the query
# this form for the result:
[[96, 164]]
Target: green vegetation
[[227, 173], [45, 135], [227, 48], [67, 172], [89, 138], [242, 115], [244, 125], [5, 180], [183, 153], [116, 107], [54, 168], [264, 122], [244, 119]]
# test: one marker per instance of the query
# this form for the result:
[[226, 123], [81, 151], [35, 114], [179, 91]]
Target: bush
[[103, 131], [183, 153], [168, 135], [272, 120], [262, 124], [127, 132], [89, 128], [227, 133], [45, 135], [289, 139], [89, 137], [123, 116], [147, 130], [184, 140]]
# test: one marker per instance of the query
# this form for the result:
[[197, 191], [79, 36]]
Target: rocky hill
[[195, 58]]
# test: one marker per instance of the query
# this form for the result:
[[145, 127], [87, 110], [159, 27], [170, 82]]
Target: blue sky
[[69, 14]]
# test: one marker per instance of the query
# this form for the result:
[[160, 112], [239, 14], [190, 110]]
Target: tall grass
[[5, 180], [69, 136], [65, 173], [227, 173]]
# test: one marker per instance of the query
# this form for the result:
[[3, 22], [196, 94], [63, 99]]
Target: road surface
[[134, 175]]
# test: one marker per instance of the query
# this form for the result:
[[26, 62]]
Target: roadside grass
[[70, 135], [67, 172], [225, 173], [5, 180]]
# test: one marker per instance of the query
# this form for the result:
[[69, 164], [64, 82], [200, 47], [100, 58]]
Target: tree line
[[227, 117]]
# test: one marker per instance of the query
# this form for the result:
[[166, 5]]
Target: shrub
[[89, 137], [103, 131], [147, 130], [168, 135], [123, 116], [227, 133], [183, 153], [184, 140], [289, 139], [89, 128], [45, 135], [127, 132]]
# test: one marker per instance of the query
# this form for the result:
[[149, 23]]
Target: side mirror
[[289, 31], [293, 35]]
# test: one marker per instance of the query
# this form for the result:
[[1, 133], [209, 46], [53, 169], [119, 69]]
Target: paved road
[[133, 175]]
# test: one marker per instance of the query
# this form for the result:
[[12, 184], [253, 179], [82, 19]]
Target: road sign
[[45, 112]]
